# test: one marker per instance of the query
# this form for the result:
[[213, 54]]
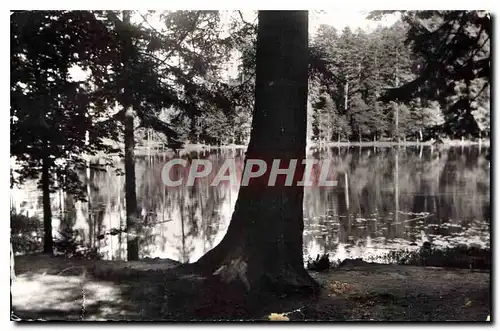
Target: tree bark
[[130, 192], [263, 244], [48, 241]]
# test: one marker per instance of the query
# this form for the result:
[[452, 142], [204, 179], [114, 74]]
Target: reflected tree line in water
[[440, 195], [384, 200]]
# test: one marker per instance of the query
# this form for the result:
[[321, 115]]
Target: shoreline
[[445, 143], [159, 149], [448, 142]]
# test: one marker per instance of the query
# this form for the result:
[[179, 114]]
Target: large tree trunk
[[48, 241], [130, 193], [263, 244]]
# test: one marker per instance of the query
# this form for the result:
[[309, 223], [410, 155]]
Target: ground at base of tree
[[55, 288]]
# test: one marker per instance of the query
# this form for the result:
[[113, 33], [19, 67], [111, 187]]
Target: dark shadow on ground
[[120, 291]]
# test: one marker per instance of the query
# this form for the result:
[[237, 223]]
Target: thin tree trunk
[[346, 94], [346, 190], [89, 198], [48, 241], [396, 185], [263, 244], [130, 192]]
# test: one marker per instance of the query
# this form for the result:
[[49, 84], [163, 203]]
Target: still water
[[386, 200]]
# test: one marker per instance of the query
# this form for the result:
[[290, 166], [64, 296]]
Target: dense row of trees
[[456, 67], [351, 72], [427, 74], [345, 104]]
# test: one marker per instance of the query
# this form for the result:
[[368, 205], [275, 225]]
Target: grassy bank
[[461, 257]]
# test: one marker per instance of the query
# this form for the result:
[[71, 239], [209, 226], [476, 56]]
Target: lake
[[387, 199]]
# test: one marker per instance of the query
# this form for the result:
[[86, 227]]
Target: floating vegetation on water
[[424, 213], [452, 225]]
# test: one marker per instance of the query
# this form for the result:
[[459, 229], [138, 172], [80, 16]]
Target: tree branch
[[178, 44]]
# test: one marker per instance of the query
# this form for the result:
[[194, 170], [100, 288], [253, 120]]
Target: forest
[[349, 72], [91, 91]]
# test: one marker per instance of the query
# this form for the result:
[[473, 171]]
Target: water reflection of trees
[[446, 191], [443, 190], [180, 223], [195, 215]]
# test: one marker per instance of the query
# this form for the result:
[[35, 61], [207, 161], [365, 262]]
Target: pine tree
[[455, 50], [269, 218]]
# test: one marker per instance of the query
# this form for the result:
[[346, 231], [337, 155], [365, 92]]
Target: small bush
[[462, 257], [454, 257], [26, 234], [70, 244]]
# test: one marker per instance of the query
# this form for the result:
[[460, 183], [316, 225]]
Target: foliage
[[25, 233], [58, 120], [462, 256], [455, 68], [327, 121], [178, 66], [51, 113], [70, 244], [226, 118], [319, 264], [194, 84], [349, 71], [438, 78], [456, 257], [453, 257]]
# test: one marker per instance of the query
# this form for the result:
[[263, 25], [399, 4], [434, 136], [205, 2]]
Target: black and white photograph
[[250, 165]]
